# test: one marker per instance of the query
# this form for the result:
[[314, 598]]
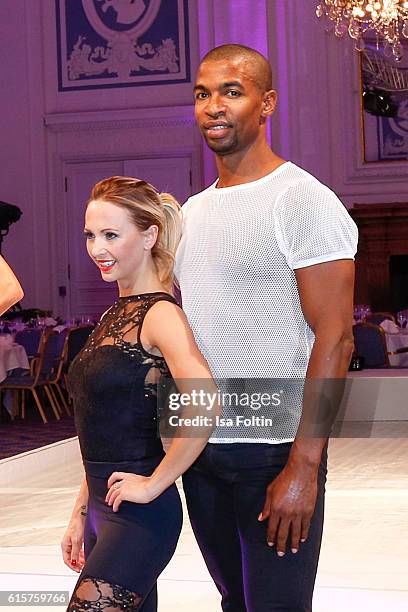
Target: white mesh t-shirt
[[235, 264]]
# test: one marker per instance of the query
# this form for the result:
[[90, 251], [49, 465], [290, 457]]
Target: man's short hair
[[260, 67]]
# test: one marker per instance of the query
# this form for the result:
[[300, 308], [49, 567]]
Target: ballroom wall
[[317, 123]]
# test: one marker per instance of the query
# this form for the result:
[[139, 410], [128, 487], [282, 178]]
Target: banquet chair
[[44, 368], [31, 340], [55, 377], [376, 318], [370, 343], [75, 340]]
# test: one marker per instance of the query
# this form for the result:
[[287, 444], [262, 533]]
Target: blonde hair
[[147, 207]]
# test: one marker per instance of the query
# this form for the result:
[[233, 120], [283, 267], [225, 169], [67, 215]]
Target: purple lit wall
[[317, 123]]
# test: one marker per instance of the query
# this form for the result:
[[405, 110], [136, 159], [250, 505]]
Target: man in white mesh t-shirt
[[266, 272]]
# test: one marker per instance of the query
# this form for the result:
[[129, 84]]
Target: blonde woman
[[10, 289], [128, 512]]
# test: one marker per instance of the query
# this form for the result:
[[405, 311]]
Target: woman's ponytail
[[165, 248], [172, 227]]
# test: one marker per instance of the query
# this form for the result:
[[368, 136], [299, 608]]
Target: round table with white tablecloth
[[394, 342], [12, 356]]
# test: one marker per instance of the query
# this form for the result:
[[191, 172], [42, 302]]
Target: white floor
[[364, 560]]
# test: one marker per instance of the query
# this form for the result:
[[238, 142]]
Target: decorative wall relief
[[385, 105], [121, 43]]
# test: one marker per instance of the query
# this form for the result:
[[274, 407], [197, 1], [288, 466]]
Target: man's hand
[[289, 506]]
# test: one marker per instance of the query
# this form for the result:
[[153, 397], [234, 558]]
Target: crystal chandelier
[[387, 19]]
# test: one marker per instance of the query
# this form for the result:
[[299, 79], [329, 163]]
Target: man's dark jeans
[[225, 491]]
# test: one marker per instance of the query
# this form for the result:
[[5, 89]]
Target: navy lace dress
[[113, 382]]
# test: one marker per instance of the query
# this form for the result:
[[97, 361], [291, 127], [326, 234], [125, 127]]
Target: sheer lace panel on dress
[[97, 594], [121, 326]]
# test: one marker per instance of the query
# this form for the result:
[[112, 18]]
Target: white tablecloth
[[11, 356], [396, 341]]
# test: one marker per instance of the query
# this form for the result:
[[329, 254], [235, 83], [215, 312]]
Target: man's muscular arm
[[326, 295]]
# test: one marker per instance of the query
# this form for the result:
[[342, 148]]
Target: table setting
[[396, 337], [361, 311], [395, 334], [12, 356]]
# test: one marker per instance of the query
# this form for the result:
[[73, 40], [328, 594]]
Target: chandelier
[[387, 19]]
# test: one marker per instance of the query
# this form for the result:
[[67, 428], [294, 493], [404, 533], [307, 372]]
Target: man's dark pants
[[225, 490]]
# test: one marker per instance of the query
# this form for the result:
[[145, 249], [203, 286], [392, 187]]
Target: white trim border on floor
[[24, 466]]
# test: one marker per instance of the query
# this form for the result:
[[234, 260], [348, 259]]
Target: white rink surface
[[364, 559]]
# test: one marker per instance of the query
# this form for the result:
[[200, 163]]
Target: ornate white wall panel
[[100, 137], [108, 99]]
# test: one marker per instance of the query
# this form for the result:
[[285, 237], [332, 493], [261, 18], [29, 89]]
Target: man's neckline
[[249, 184]]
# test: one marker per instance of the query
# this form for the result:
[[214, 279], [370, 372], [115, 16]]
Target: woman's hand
[[72, 542], [128, 487]]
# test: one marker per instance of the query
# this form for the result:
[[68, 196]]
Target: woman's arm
[[10, 289], [72, 542], [166, 328]]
